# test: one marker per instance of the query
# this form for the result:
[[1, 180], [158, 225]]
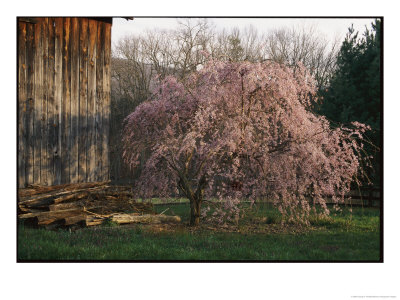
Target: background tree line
[[138, 62]]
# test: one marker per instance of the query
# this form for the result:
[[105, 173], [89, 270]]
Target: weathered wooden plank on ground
[[75, 204], [153, 219], [56, 197], [39, 189], [52, 214], [76, 195], [32, 199], [93, 221], [67, 204], [49, 217], [68, 221]]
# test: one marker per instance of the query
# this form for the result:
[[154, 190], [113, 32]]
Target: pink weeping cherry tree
[[240, 130]]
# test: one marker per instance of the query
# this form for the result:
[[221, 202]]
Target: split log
[[45, 220], [148, 219], [96, 214], [44, 204], [74, 196], [93, 221], [75, 220], [86, 204], [22, 209], [64, 217], [40, 189], [64, 206], [52, 214], [36, 203], [84, 220], [47, 199]]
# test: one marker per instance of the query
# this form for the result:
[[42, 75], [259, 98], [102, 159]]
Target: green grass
[[344, 237]]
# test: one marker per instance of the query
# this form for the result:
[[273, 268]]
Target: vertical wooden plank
[[107, 101], [91, 136], [74, 100], [83, 84], [66, 102], [99, 99], [44, 168], [51, 105], [21, 103], [37, 89], [58, 94], [29, 102]]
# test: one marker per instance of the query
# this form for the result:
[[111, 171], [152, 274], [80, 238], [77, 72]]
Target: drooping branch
[[253, 127]]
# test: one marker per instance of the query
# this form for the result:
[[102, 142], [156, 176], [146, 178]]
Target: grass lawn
[[343, 237]]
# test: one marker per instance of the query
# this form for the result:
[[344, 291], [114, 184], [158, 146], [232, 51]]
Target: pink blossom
[[242, 122]]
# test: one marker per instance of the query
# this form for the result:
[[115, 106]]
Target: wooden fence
[[63, 100], [369, 196]]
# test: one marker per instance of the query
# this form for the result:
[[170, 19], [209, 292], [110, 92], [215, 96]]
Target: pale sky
[[328, 27]]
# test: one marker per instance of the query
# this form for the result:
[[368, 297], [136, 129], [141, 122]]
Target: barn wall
[[63, 100]]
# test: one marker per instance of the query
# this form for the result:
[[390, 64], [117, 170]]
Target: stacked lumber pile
[[84, 204]]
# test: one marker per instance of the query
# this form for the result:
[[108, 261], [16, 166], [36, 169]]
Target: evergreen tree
[[354, 91]]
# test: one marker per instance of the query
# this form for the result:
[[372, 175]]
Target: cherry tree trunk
[[195, 204]]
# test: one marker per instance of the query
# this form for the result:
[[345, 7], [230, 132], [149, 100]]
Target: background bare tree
[[292, 45], [131, 71], [130, 85], [190, 39], [236, 45]]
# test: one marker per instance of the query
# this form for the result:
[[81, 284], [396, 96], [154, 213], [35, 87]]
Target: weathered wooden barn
[[63, 100]]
